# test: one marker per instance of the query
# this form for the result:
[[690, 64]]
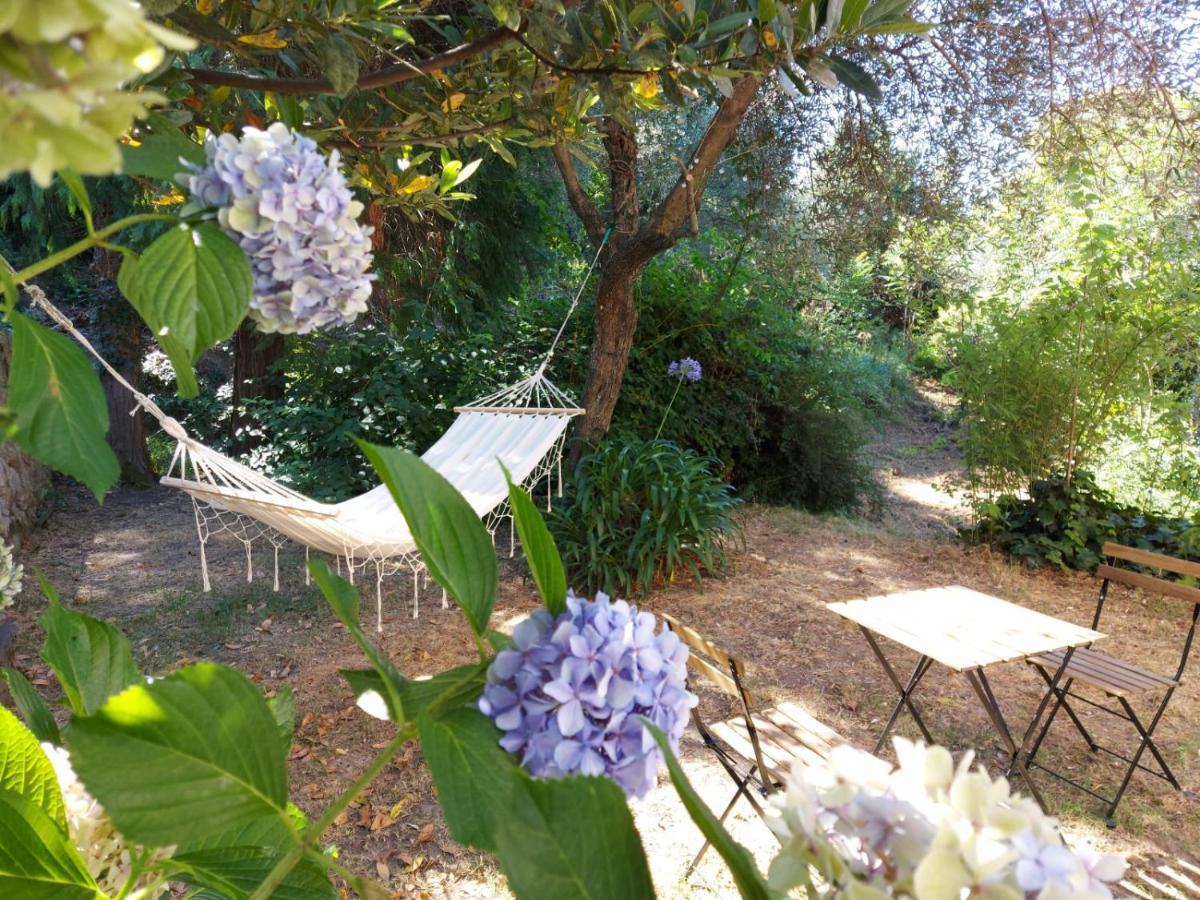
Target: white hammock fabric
[[522, 426]]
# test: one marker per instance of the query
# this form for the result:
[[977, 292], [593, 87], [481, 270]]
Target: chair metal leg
[[1146, 733], [741, 788], [1060, 701], [919, 671], [1150, 745]]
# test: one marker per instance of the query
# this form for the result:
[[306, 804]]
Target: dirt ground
[[134, 562]]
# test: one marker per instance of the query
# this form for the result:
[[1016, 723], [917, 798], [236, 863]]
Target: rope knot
[[173, 428]]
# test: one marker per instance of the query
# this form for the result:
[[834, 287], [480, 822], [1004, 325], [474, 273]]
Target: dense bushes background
[[1067, 524], [787, 400]]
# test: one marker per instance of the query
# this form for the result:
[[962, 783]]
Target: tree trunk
[[635, 242], [127, 428], [254, 354], [612, 339], [125, 336]]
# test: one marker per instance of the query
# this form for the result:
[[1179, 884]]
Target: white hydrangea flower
[[103, 848], [927, 829], [11, 573], [290, 209]]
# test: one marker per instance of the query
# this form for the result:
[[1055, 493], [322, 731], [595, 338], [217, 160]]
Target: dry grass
[[132, 562]]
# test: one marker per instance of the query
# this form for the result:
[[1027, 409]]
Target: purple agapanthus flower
[[288, 205], [686, 369], [571, 693]]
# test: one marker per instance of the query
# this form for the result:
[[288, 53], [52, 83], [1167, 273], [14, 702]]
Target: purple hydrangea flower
[[570, 694], [288, 206], [686, 369]]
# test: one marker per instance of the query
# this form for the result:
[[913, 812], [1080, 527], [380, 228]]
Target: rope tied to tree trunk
[[541, 370]]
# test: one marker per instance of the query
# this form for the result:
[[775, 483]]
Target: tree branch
[[593, 222], [386, 77], [660, 230], [433, 140]]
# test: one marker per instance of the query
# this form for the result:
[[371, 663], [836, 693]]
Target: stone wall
[[23, 480]]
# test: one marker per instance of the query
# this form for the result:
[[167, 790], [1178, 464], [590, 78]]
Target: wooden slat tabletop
[[961, 628]]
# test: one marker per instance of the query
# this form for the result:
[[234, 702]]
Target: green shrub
[[1068, 525], [640, 513], [787, 400]]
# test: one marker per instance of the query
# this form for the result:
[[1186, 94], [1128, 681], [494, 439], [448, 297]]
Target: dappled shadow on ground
[[133, 562]]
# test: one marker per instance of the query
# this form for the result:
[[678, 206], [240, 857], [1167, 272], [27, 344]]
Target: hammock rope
[[523, 425]]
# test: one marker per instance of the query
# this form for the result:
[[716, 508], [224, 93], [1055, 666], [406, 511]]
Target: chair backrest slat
[[701, 644], [1152, 560], [723, 666], [1150, 583]]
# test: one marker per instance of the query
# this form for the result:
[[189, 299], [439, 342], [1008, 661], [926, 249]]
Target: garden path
[[133, 561]]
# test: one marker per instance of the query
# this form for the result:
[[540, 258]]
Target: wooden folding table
[[966, 631]]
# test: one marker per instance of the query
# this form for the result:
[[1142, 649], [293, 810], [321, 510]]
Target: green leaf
[[75, 185], [544, 559], [343, 598], [90, 658], [192, 287], [745, 873], [473, 773], [37, 862], [25, 770], [32, 707], [161, 151], [545, 853], [59, 409], [185, 759], [853, 76], [372, 695], [466, 172], [454, 545], [234, 872], [726, 24], [283, 708], [339, 63], [446, 690], [9, 288]]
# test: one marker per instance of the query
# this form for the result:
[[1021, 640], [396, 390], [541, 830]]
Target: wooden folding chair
[[754, 748], [1117, 679]]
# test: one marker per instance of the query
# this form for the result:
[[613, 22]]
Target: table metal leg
[[983, 690], [905, 691]]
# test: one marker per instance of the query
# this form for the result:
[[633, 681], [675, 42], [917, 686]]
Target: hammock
[[522, 426]]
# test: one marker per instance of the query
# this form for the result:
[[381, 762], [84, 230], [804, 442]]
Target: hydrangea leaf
[[539, 547], [185, 759], [192, 287], [90, 658], [58, 405], [454, 545], [37, 862], [745, 873], [447, 690], [343, 599], [32, 707], [473, 774], [25, 770], [161, 151], [237, 871], [545, 853], [283, 708]]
